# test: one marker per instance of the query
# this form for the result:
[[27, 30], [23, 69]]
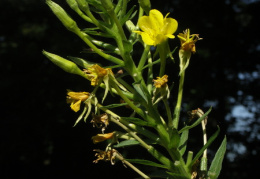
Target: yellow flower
[[102, 137], [160, 81], [188, 41], [75, 99], [96, 73], [156, 29]]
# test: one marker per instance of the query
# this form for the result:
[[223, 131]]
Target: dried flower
[[160, 81], [96, 74], [188, 41], [109, 155], [100, 120]]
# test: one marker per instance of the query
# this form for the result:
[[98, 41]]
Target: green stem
[[168, 111], [150, 75], [143, 58], [128, 101], [179, 100], [132, 166]]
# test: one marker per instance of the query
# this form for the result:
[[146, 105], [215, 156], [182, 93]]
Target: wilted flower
[[156, 29], [161, 81], [188, 41], [75, 98], [100, 120], [102, 137], [109, 155], [96, 74]]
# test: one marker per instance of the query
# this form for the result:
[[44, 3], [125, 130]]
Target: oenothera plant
[[155, 130]]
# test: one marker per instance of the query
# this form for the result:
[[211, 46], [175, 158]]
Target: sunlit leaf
[[183, 142], [216, 164]]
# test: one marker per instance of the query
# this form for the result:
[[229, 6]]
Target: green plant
[[147, 126]]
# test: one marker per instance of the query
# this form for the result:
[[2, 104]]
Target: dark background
[[37, 137]]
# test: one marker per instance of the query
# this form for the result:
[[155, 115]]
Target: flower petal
[[145, 24], [156, 19], [147, 39], [75, 106], [170, 25]]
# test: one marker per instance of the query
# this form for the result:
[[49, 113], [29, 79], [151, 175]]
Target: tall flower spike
[[75, 98], [155, 28]]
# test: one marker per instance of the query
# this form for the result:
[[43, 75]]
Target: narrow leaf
[[174, 139], [126, 143], [197, 122], [216, 164], [179, 176], [146, 162], [114, 105], [183, 142], [137, 121]]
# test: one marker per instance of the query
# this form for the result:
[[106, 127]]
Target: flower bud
[[145, 5], [66, 20], [64, 64]]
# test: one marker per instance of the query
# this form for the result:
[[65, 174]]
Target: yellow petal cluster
[[75, 99], [155, 28], [161, 81]]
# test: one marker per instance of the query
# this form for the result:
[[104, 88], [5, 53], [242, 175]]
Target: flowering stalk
[[147, 126]]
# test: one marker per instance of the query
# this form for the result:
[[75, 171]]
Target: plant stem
[[143, 58], [118, 156], [177, 109]]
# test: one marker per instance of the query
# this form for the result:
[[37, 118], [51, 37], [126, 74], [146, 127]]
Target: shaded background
[[37, 137]]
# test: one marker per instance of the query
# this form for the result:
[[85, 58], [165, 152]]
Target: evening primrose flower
[[161, 81], [155, 28], [102, 137], [75, 98]]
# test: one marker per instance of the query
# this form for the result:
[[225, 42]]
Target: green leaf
[[137, 86], [211, 139], [130, 142], [127, 16], [196, 122], [183, 142], [174, 139], [126, 143], [216, 164], [137, 121], [114, 105], [146, 162]]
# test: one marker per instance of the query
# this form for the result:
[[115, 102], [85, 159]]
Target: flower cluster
[[149, 119]]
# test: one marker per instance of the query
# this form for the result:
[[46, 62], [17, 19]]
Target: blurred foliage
[[37, 137]]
